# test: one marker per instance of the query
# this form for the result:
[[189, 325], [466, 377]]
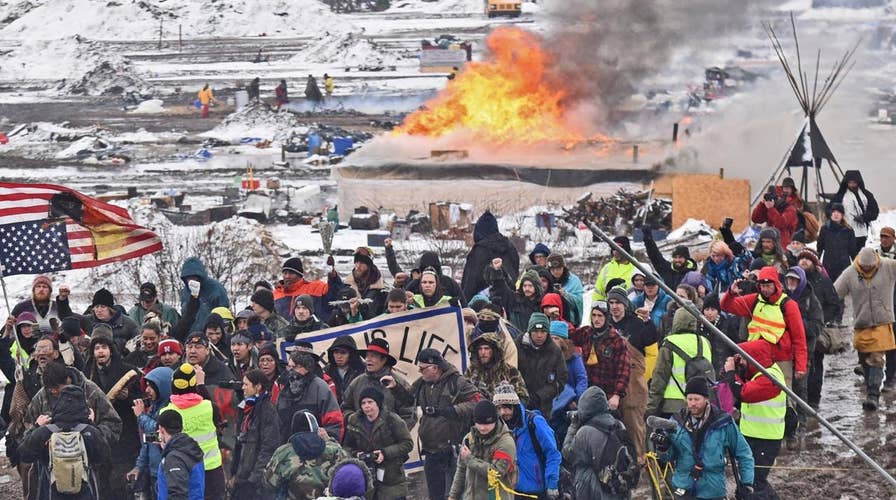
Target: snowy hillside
[[140, 19]]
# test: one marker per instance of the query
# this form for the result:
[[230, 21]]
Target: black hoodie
[[489, 244], [449, 286], [355, 366], [871, 211]]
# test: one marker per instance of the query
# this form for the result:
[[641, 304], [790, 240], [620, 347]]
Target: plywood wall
[[711, 198]]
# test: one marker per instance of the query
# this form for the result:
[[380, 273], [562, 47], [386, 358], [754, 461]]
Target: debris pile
[[622, 210], [350, 50], [258, 121]]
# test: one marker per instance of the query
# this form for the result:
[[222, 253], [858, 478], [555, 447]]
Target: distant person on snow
[[206, 97], [282, 97], [312, 91], [254, 90], [329, 85]]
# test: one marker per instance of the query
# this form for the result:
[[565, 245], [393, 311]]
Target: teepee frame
[[810, 149]]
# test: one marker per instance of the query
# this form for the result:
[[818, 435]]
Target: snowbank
[[257, 121], [149, 106], [130, 20], [438, 7], [346, 50]]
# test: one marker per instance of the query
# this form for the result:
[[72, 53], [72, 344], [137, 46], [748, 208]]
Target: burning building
[[506, 133]]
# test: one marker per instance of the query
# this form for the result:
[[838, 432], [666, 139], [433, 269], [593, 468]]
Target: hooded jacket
[[181, 474], [831, 304], [837, 246], [810, 306], [585, 441], [449, 286], [516, 305], [151, 453], [535, 476], [683, 325], [670, 273], [610, 270], [211, 292], [540, 248], [127, 446], [782, 216], [544, 371], [792, 344], [872, 293], [388, 434], [354, 368], [259, 437], [488, 244], [496, 450], [308, 393], [485, 377], [860, 206], [554, 299], [445, 426]]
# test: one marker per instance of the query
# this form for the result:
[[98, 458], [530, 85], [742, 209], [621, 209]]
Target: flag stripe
[[27, 201], [125, 241], [147, 249], [41, 210], [14, 219]]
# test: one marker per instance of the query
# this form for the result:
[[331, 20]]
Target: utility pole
[[160, 34], [180, 37]]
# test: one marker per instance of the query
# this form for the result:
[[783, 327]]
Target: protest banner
[[408, 333]]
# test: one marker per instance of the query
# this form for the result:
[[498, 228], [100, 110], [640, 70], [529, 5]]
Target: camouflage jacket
[[302, 479], [497, 372]]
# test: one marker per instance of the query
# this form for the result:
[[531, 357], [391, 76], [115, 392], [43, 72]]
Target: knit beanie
[[269, 349], [103, 297], [711, 301], [171, 421], [559, 329], [505, 395], [303, 421], [170, 345], [769, 233], [263, 284], [294, 264], [623, 242], [374, 394], [264, 298], [681, 251], [42, 280], [618, 294], [305, 300], [485, 412], [349, 481], [184, 379], [538, 321], [71, 327], [258, 332], [697, 385]]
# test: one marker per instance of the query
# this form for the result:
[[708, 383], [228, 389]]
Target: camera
[[151, 438], [429, 410], [770, 194], [236, 385], [367, 458], [728, 222]]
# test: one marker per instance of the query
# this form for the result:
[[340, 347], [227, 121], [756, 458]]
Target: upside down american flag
[[46, 228]]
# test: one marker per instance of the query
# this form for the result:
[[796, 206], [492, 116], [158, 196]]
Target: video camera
[[660, 433], [770, 195], [367, 458]]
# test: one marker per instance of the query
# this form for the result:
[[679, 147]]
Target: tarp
[[809, 147], [408, 333]]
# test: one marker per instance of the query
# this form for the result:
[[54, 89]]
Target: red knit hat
[[170, 345], [42, 279]]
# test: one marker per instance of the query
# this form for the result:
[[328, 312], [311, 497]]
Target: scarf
[[249, 405], [298, 383], [363, 282]]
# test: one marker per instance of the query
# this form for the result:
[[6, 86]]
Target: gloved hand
[[552, 494], [573, 416], [647, 231], [661, 440], [454, 302], [447, 411], [194, 286]]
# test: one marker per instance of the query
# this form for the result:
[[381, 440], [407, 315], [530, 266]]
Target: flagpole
[[3, 282]]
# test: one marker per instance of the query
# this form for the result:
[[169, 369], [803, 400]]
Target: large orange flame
[[507, 99]]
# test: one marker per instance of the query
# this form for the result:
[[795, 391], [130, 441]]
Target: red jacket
[[761, 388], [784, 219], [792, 346], [554, 299]]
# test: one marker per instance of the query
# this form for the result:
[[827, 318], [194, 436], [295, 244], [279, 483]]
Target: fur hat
[[505, 395], [264, 298], [556, 260], [103, 297]]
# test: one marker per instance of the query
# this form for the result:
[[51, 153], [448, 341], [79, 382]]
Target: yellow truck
[[511, 8]]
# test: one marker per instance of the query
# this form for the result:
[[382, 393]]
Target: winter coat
[[281, 94], [572, 291], [373, 289], [609, 367], [517, 306], [837, 247], [486, 377], [151, 453], [169, 314], [181, 474], [872, 294], [259, 435], [496, 450], [105, 417], [216, 372], [660, 304], [810, 308], [123, 327], [205, 96], [721, 434], [584, 444], [671, 274], [792, 344], [440, 430], [612, 269], [719, 277], [285, 297], [730, 326], [544, 371], [354, 369], [685, 325], [211, 292], [303, 478], [398, 399], [35, 448], [488, 244], [535, 476], [127, 447], [308, 393], [577, 377], [388, 434], [43, 313], [450, 287], [782, 216], [860, 206], [831, 304]]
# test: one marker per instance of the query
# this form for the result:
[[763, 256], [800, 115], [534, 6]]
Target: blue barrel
[[342, 144], [313, 143]]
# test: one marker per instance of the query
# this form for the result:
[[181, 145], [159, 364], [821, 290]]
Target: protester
[[837, 243], [568, 283], [206, 97], [146, 356], [300, 468], [617, 267], [259, 437], [397, 396], [343, 364], [104, 311], [605, 354], [859, 205], [263, 306], [149, 302], [181, 475], [488, 244], [488, 368], [42, 306], [209, 292], [670, 271], [303, 319], [779, 210], [157, 394], [541, 364], [304, 390], [489, 446]]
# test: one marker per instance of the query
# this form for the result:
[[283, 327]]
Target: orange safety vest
[[768, 320]]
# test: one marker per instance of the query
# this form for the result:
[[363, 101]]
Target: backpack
[[69, 467], [618, 469], [697, 366]]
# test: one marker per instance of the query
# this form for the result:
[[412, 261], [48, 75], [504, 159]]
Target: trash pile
[[622, 211], [92, 149], [257, 121]]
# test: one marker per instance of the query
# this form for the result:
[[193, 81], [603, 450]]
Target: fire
[[510, 98]]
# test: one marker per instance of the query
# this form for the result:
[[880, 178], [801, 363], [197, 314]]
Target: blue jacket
[[151, 453], [211, 292], [531, 477], [573, 287], [181, 474], [722, 434], [577, 376], [659, 307]]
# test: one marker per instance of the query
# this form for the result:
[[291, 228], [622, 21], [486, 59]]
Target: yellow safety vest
[[768, 320], [765, 419], [199, 425], [687, 342], [418, 300]]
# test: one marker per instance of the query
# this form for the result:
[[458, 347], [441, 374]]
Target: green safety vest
[[199, 425], [418, 301], [687, 342], [765, 419], [768, 320]]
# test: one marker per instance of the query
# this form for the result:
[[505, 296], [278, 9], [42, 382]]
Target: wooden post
[[635, 153], [180, 37], [160, 34]]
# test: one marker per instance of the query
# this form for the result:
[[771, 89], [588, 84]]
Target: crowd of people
[[197, 400]]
